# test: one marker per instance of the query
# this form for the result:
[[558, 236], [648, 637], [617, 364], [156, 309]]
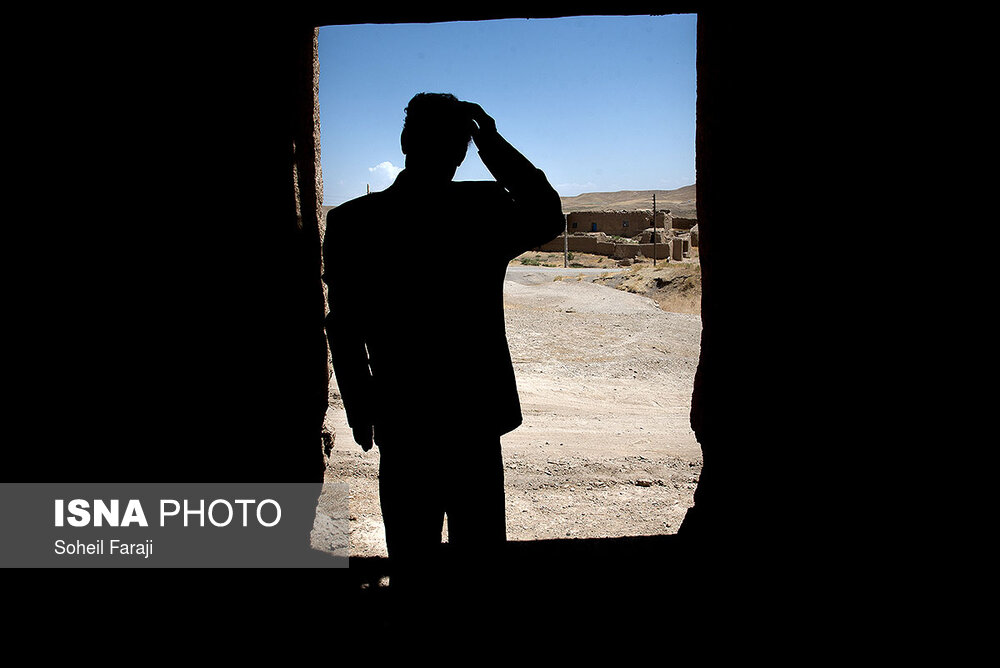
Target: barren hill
[[681, 201]]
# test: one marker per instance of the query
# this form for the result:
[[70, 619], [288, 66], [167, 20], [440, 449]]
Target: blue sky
[[598, 103]]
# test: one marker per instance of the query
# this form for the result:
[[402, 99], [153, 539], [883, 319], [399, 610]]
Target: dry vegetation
[[576, 260], [674, 286]]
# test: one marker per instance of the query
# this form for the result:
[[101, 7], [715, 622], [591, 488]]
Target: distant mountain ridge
[[681, 202]]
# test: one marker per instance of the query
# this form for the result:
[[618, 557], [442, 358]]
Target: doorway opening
[[605, 370]]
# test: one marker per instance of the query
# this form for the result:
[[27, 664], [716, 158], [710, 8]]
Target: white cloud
[[383, 174]]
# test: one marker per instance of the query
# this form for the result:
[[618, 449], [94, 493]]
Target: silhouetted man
[[416, 329]]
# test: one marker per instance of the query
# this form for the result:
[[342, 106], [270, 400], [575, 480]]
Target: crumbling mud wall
[[600, 244], [662, 236]]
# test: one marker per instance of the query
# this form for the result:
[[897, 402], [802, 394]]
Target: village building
[[616, 223]]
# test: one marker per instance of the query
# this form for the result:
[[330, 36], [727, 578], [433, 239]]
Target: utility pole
[[565, 241], [654, 229]]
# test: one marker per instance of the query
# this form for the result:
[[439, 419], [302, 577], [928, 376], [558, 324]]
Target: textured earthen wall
[[592, 244], [662, 236], [212, 306], [632, 251]]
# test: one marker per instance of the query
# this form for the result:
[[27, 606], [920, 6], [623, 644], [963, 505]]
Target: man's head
[[436, 135]]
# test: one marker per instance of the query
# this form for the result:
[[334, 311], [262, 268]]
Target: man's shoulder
[[360, 206]]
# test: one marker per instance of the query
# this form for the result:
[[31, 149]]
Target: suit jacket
[[416, 324]]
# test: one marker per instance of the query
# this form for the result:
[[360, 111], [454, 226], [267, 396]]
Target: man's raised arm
[[538, 209]]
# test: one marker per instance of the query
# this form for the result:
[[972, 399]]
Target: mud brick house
[[619, 223]]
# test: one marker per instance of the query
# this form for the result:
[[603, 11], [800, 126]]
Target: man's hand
[[363, 436], [483, 121]]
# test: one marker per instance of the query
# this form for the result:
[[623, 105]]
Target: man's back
[[434, 332]]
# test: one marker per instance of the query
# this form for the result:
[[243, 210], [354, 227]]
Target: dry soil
[[606, 449]]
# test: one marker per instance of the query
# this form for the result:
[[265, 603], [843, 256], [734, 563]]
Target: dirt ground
[[605, 378]]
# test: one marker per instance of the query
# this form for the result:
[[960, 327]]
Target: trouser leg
[[416, 488], [477, 527], [476, 508], [413, 514]]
